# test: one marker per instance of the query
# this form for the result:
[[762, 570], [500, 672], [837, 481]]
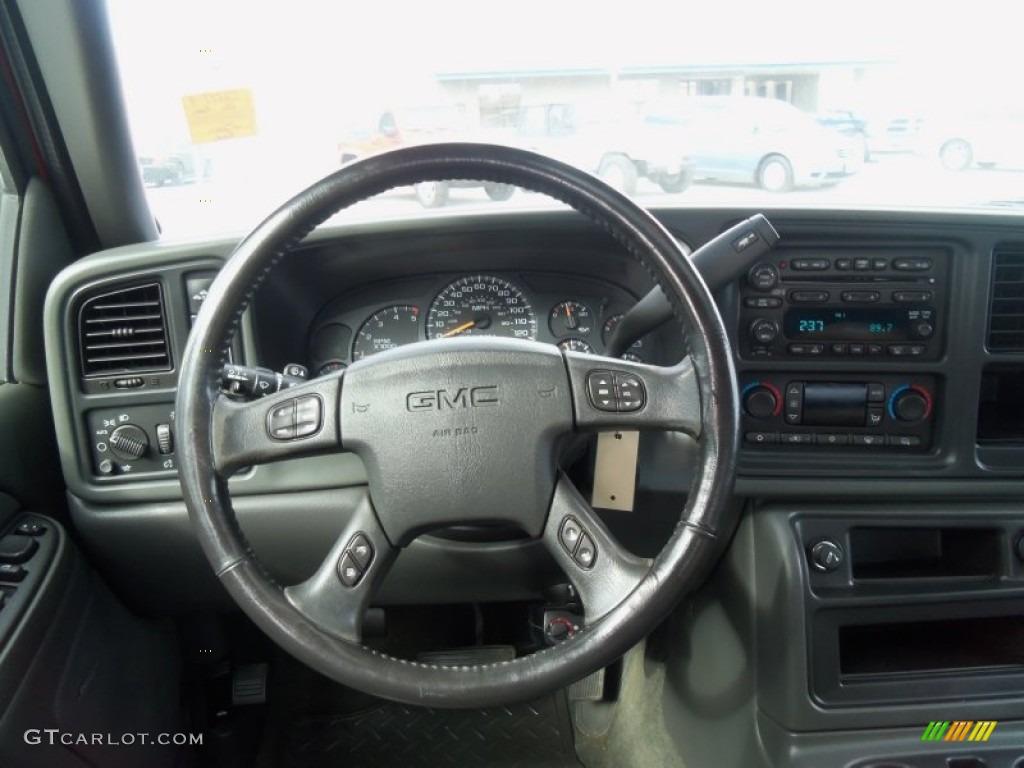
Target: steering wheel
[[459, 431]]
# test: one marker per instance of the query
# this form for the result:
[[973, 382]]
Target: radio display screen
[[854, 324]]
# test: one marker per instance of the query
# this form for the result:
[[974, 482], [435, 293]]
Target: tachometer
[[482, 305], [386, 329]]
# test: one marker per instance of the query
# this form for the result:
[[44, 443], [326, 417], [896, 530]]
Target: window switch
[[17, 549]]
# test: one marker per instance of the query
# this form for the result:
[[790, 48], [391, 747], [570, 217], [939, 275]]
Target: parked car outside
[[422, 124], [750, 140], [850, 124], [620, 152], [986, 139], [174, 167]]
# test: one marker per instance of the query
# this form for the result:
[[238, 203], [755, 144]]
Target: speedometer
[[482, 305]]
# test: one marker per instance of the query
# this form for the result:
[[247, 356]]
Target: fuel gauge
[[571, 317]]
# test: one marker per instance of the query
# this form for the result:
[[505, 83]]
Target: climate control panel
[[849, 411], [132, 440]]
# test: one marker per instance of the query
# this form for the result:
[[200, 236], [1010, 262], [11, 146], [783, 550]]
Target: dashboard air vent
[[124, 331], [1006, 321]]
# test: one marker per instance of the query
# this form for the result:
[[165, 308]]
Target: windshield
[[234, 106]]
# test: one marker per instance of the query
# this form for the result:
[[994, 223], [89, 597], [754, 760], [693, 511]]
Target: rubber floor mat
[[533, 735]]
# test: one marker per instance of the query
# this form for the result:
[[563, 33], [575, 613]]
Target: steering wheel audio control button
[[586, 552], [361, 550], [281, 421], [601, 389], [570, 534], [629, 392], [349, 571]]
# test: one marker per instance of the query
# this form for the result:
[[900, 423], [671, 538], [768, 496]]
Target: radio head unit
[[862, 305]]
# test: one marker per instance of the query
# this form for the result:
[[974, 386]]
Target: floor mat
[[533, 735]]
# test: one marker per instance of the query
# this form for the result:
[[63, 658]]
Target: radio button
[[806, 349], [874, 349], [907, 350], [808, 297], [797, 438], [905, 441], [833, 439], [876, 392], [838, 348], [863, 297], [856, 349], [762, 302], [923, 329], [862, 265], [874, 441], [911, 297], [879, 264], [761, 438], [912, 265], [807, 265], [844, 264], [875, 416]]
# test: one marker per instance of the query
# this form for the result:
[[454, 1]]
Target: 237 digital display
[[855, 324]]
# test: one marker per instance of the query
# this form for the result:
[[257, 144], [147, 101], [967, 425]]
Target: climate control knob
[[760, 403], [128, 442], [910, 405]]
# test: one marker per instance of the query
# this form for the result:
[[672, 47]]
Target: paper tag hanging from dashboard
[[615, 470]]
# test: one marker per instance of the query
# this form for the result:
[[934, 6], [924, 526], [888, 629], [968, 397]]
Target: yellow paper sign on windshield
[[219, 115]]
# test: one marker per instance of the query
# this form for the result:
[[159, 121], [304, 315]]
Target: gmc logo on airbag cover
[[445, 399]]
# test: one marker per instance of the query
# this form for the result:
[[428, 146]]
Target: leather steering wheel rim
[[691, 548]]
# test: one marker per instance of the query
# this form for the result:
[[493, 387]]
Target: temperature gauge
[[575, 345], [609, 328]]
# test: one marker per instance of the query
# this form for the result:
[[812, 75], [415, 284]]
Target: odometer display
[[482, 305], [386, 329]]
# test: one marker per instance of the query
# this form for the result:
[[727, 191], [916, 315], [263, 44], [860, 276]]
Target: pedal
[[458, 657], [249, 685], [590, 688]]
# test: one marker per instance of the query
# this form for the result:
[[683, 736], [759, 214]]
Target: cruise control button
[[308, 415], [281, 421], [586, 553], [12, 573], [349, 571], [570, 534], [361, 550], [30, 529], [601, 390]]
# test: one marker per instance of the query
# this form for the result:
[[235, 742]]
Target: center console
[[839, 349]]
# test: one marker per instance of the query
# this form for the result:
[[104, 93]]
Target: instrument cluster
[[572, 311]]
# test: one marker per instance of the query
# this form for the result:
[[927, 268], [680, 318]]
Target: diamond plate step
[[533, 735]]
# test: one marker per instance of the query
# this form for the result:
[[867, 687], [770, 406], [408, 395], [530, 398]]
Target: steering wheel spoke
[[299, 421], [603, 572], [621, 394], [336, 596]]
